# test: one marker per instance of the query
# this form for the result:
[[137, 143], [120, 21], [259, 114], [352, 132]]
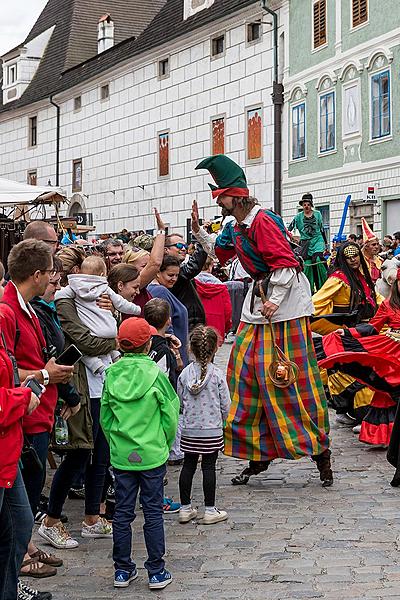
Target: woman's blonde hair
[[203, 344], [70, 256], [132, 255]]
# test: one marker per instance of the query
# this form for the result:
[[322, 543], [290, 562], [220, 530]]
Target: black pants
[[94, 463], [208, 462]]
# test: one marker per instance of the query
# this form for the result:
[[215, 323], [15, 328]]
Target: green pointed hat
[[228, 176]]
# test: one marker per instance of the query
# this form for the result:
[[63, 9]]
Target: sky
[[18, 17]]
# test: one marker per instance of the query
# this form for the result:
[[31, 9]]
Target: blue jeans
[[33, 482], [151, 484], [16, 522]]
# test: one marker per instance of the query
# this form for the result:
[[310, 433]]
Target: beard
[[226, 212]]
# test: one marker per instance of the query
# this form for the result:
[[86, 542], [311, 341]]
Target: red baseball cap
[[135, 332]]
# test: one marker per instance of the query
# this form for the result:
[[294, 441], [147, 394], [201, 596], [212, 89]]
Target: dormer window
[[191, 7], [105, 34], [11, 74]]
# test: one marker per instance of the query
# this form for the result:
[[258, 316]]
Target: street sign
[[370, 193]]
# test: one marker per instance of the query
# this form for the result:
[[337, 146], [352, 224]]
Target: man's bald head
[[40, 230]]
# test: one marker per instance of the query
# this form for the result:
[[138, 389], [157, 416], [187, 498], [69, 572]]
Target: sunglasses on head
[[179, 245]]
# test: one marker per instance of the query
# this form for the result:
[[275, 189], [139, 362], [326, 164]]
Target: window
[[254, 134], [163, 154], [163, 68], [11, 74], [253, 32], [78, 103], [380, 105], [218, 135], [319, 23], [104, 92], [327, 136], [298, 131], [359, 12], [32, 140], [32, 177], [77, 175], [218, 45]]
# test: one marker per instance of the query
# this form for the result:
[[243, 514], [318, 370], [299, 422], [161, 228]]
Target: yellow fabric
[[338, 382], [334, 292]]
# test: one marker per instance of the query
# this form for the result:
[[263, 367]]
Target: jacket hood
[[87, 287], [206, 277], [192, 377], [209, 290], [135, 374]]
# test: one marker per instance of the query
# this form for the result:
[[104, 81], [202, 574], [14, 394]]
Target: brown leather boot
[[323, 461], [255, 467]]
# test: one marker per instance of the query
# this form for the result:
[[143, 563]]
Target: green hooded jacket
[[139, 413]]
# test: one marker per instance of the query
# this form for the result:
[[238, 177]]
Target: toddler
[[205, 399]]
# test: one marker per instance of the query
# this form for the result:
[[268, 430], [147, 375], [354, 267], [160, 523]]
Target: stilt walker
[[273, 414]]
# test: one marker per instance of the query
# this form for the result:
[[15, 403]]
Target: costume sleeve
[[78, 333], [224, 246], [323, 301], [206, 240], [227, 310], [106, 414], [195, 263], [169, 406], [224, 396], [124, 306], [382, 317], [292, 225], [13, 405], [281, 280]]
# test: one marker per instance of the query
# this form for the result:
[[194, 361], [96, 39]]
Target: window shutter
[[319, 23], [360, 12]]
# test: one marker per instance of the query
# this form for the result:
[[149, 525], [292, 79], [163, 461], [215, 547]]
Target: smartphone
[[36, 387], [69, 357]]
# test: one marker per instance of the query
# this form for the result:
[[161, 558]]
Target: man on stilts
[[267, 422]]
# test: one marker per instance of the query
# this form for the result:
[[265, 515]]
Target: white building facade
[[131, 136]]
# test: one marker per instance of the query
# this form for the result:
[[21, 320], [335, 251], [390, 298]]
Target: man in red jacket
[[30, 266]]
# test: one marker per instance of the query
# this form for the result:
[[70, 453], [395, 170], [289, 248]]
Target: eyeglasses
[[52, 272], [179, 245]]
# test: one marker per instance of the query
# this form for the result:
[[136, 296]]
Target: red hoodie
[[217, 306], [28, 351]]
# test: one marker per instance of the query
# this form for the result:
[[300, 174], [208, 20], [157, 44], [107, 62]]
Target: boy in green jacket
[[139, 417]]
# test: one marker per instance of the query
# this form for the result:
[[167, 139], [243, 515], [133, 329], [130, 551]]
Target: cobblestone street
[[286, 536]]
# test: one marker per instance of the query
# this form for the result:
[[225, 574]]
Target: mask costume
[[267, 421]]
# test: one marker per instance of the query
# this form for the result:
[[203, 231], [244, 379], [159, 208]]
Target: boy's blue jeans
[[151, 485]]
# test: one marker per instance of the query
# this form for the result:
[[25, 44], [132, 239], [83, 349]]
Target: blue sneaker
[[123, 578], [169, 506], [160, 580]]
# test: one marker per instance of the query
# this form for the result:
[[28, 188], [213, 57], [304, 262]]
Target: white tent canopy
[[13, 193]]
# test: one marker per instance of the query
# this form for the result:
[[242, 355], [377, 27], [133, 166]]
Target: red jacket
[[28, 351], [13, 405], [217, 306]]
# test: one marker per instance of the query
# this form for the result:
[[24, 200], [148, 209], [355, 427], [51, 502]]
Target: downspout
[[57, 140], [277, 101]]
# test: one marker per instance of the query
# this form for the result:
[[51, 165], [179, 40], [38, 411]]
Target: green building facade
[[342, 111]]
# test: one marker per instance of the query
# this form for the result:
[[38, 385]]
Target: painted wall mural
[[163, 154], [254, 133], [218, 136]]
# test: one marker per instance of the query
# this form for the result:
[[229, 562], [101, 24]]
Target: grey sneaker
[[58, 536], [101, 529], [213, 517], [186, 515]]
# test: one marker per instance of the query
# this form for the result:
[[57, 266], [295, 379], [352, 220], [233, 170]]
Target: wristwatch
[[46, 377], [160, 232]]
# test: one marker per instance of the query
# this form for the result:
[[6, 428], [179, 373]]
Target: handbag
[[30, 458]]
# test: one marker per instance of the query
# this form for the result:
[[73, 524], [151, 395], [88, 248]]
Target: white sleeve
[[281, 281], [124, 306], [206, 240], [224, 396], [65, 292]]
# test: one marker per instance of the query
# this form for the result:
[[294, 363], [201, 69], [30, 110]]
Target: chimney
[[105, 37]]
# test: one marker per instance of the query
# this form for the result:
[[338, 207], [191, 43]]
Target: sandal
[[46, 558], [37, 569]]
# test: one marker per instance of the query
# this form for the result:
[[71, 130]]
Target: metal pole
[[277, 100]]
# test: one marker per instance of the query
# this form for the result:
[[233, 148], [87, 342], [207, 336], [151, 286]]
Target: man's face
[[227, 205], [372, 247], [51, 239], [176, 247], [114, 255], [307, 206], [41, 280]]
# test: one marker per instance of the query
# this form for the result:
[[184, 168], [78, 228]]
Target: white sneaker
[[345, 420], [213, 517], [187, 514], [357, 429], [101, 529], [230, 338], [58, 536]]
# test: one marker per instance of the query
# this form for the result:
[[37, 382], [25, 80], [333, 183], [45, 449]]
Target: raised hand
[[195, 217], [159, 221]]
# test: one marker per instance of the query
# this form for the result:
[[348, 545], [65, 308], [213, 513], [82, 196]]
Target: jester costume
[[312, 244], [266, 422]]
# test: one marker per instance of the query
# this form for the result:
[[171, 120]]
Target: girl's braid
[[203, 343]]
